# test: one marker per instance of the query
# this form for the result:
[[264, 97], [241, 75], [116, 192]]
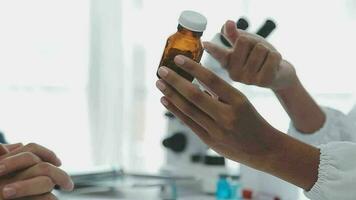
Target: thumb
[[230, 31], [219, 53]]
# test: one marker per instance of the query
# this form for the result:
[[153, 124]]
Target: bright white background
[[78, 76], [44, 47]]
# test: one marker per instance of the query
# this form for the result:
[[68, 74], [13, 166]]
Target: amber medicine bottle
[[186, 41]]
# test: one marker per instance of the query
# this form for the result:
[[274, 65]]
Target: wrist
[[305, 113], [289, 90], [285, 77], [293, 161], [267, 147]]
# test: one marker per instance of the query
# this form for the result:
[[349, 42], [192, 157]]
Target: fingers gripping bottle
[[186, 41]]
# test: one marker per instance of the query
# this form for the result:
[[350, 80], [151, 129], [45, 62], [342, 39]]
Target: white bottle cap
[[193, 21]]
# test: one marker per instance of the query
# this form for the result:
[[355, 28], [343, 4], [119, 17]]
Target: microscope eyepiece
[[242, 24], [266, 29]]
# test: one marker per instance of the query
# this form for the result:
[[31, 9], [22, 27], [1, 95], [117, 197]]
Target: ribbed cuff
[[325, 167]]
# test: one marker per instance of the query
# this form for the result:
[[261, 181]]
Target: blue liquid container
[[223, 188]]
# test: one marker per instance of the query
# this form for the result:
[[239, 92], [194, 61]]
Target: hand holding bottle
[[232, 127]]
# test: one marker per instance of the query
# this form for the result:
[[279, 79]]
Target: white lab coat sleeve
[[337, 127], [337, 172]]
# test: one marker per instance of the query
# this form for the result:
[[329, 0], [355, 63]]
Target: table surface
[[137, 188], [129, 195]]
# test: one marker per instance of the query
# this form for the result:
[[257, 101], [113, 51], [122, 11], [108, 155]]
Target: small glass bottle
[[186, 41], [223, 188]]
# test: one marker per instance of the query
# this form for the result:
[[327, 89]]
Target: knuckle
[[260, 47], [195, 95], [45, 168], [31, 157], [32, 146], [244, 40], [276, 55], [211, 79], [168, 92], [187, 110], [48, 182], [18, 188]]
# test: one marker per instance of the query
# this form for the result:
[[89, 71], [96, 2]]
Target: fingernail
[[164, 101], [179, 60], [9, 192], [160, 85], [231, 22], [163, 72], [59, 161], [69, 186], [2, 168]]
